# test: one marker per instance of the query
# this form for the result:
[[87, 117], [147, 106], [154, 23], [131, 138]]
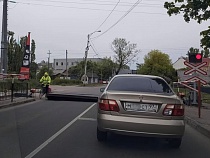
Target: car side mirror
[[102, 89]]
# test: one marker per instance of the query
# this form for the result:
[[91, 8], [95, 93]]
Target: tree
[[78, 70], [33, 48], [15, 54], [193, 50], [158, 64], [33, 65], [192, 9], [105, 68], [124, 52], [205, 52]]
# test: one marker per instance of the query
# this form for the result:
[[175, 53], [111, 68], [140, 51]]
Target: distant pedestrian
[[45, 81]]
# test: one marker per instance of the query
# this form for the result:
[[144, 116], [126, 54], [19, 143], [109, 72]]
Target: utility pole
[[49, 61], [84, 77], [66, 65], [86, 53], [4, 45]]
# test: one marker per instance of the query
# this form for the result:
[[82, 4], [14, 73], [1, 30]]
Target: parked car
[[140, 105]]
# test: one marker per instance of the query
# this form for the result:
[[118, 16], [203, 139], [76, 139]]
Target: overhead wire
[[93, 47], [119, 19], [86, 8], [110, 3], [108, 15]]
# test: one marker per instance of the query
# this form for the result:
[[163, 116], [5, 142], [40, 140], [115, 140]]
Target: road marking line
[[86, 119], [38, 149]]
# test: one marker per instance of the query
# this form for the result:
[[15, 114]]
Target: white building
[[179, 64], [60, 64]]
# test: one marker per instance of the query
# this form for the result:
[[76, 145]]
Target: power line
[[57, 6], [93, 47], [119, 19], [110, 3], [108, 15]]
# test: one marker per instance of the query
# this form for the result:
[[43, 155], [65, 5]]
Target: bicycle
[[42, 91]]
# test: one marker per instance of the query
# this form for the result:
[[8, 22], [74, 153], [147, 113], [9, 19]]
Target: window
[[72, 63], [61, 63], [56, 63], [139, 84]]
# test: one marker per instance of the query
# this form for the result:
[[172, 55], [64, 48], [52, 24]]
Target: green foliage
[[205, 41], [192, 9], [15, 54], [42, 71], [159, 64], [66, 82], [78, 70], [124, 52], [205, 52], [103, 69], [33, 48], [33, 70], [33, 83], [193, 50]]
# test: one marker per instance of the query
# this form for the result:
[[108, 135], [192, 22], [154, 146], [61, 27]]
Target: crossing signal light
[[195, 58]]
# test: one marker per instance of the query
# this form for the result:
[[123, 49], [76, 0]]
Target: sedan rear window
[[139, 84]]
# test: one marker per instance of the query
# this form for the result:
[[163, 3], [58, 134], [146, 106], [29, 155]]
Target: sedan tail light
[[174, 110], [108, 105]]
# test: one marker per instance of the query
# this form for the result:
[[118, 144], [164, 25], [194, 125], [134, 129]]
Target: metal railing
[[5, 90], [10, 90]]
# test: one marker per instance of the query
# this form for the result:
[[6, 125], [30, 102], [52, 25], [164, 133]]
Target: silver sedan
[[140, 105]]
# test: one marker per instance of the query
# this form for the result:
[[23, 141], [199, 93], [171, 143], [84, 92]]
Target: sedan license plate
[[141, 107]]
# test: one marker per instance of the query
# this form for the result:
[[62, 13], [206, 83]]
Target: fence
[[11, 90]]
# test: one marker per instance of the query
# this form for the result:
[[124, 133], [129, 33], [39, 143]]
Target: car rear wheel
[[175, 142], [101, 136]]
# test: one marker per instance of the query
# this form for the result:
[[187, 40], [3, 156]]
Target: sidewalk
[[16, 101], [200, 124]]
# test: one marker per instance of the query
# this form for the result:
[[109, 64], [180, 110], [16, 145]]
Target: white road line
[[38, 149], [86, 119]]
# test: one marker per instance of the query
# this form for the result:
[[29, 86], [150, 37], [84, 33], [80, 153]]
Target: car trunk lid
[[141, 104]]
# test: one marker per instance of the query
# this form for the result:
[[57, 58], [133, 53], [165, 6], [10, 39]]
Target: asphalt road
[[52, 129]]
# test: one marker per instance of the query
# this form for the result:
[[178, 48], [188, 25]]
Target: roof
[[56, 72], [185, 58]]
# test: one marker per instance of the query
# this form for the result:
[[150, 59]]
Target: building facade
[[60, 64], [179, 64]]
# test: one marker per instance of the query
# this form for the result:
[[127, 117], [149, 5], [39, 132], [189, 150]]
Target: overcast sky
[[59, 25]]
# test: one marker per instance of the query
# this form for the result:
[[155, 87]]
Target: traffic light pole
[[195, 58], [194, 92]]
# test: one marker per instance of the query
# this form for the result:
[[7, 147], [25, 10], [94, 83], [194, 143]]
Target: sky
[[60, 25]]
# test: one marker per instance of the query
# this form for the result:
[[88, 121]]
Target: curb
[[17, 103], [197, 126]]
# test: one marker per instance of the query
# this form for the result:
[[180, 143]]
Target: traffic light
[[195, 57]]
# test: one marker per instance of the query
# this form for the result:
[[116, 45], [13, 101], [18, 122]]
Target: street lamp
[[84, 77]]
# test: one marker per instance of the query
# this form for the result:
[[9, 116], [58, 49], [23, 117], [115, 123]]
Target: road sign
[[195, 68], [195, 78]]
